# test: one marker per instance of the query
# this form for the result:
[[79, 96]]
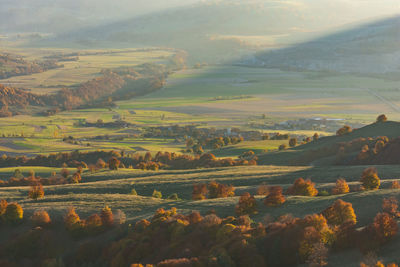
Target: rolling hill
[[370, 48], [341, 150]]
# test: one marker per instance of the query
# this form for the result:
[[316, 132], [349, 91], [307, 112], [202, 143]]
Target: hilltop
[[342, 149]]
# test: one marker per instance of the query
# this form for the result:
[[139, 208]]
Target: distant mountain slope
[[56, 16], [370, 48], [224, 29]]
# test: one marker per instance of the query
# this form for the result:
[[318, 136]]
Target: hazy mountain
[[223, 29], [370, 48], [55, 16]]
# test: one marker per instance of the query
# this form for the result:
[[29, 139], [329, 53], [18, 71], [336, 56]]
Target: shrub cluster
[[302, 187], [212, 190]]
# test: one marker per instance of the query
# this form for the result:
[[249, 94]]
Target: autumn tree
[[93, 224], [302, 187], [282, 147], [341, 187], [217, 190], [76, 178], [293, 142], [157, 194], [40, 218], [3, 206], [100, 164], [14, 213], [36, 191], [385, 227], [18, 174], [107, 217], [64, 173], [344, 130], [247, 204], [263, 190], [275, 197], [370, 179], [318, 256], [390, 206], [199, 191], [315, 137], [113, 163], [395, 185], [381, 118], [72, 221], [339, 213]]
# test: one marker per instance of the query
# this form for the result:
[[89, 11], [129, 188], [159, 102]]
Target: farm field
[[278, 94], [89, 66]]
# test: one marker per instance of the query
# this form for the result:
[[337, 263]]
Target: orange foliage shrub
[[381, 118], [395, 185], [36, 192], [64, 173], [14, 213], [107, 217], [247, 204], [341, 187], [3, 206], [113, 163], [302, 187], [339, 213], [292, 142], [141, 225], [72, 221], [370, 179], [390, 205], [384, 227], [93, 224], [275, 197], [217, 190], [40, 218], [195, 217], [100, 164], [344, 130], [76, 178], [263, 190]]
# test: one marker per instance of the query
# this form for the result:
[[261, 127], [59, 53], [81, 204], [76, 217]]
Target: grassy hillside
[[113, 188], [389, 129]]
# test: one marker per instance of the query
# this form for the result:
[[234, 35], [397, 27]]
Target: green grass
[[257, 147]]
